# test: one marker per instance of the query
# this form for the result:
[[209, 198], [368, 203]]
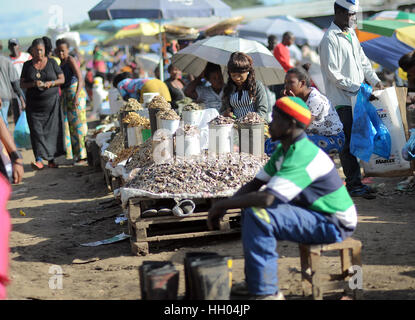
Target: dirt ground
[[71, 205]]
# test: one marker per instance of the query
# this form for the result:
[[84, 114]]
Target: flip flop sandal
[[164, 212], [37, 165], [149, 213]]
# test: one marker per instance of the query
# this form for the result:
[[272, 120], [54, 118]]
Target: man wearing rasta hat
[[304, 200], [345, 67]]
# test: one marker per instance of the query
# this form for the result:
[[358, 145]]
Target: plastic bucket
[[221, 138], [153, 119], [134, 136], [192, 117], [147, 97], [146, 267], [187, 145], [160, 282], [189, 258], [171, 125], [211, 278], [251, 138]]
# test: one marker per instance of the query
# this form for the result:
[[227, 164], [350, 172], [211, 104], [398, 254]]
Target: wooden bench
[[161, 228], [319, 283]]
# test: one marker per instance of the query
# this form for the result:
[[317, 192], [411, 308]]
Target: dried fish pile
[[135, 120], [207, 176], [159, 102], [124, 155], [251, 118], [220, 120], [192, 107], [169, 114], [117, 144], [142, 156], [132, 105], [188, 130]]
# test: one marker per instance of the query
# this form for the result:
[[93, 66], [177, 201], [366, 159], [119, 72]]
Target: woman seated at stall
[[209, 94], [175, 85], [243, 93], [325, 129]]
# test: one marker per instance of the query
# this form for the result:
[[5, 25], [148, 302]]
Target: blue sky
[[23, 18]]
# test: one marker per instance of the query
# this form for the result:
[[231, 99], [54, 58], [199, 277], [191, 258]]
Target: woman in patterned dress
[[74, 105]]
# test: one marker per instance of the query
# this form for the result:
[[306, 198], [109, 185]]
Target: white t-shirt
[[19, 61], [326, 121]]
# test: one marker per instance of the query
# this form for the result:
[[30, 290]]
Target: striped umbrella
[[385, 41], [395, 15], [218, 49], [146, 32]]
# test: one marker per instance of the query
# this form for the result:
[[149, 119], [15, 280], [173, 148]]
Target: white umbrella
[[218, 49], [303, 30]]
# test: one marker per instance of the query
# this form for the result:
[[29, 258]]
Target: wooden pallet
[[161, 228]]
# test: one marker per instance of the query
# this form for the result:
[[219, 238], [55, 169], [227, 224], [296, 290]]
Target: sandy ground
[[71, 205]]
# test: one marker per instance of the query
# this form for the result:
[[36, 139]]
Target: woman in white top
[[325, 129]]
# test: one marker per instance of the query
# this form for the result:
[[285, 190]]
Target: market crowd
[[53, 84]]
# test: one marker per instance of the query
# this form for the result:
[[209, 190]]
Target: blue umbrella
[[115, 25], [86, 37], [158, 9]]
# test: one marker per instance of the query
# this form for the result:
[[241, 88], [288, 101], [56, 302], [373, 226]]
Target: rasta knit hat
[[296, 108]]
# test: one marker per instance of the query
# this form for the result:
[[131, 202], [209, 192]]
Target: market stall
[[156, 163]]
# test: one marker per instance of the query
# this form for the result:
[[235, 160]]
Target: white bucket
[[192, 117], [115, 99], [147, 97], [171, 125], [221, 139], [187, 145], [134, 136]]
